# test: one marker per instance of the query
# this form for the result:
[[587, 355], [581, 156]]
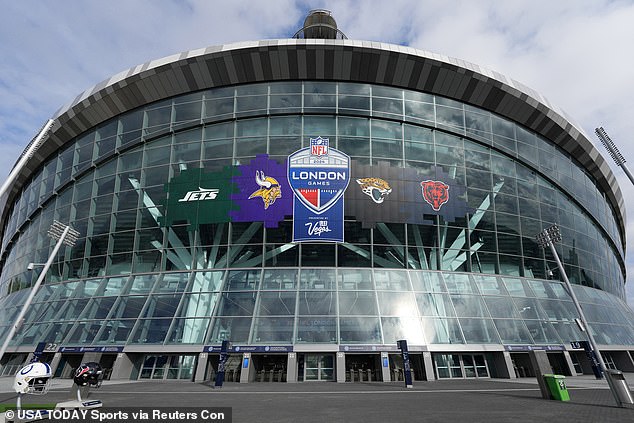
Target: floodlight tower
[[614, 152], [63, 234]]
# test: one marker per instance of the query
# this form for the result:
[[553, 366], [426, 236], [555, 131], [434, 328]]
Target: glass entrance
[[168, 367], [460, 366], [319, 367]]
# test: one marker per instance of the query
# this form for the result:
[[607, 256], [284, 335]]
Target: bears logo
[[435, 193]]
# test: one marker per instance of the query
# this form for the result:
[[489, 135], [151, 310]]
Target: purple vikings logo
[[435, 193], [265, 178], [269, 191]]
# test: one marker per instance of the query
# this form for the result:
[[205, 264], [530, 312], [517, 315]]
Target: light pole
[[614, 152], [63, 234], [547, 238]]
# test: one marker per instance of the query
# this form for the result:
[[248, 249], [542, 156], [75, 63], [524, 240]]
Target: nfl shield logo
[[319, 146]]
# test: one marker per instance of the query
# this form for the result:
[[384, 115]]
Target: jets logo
[[435, 193], [269, 191], [200, 195]]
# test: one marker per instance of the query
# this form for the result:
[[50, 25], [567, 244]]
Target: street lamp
[[547, 238], [63, 234]]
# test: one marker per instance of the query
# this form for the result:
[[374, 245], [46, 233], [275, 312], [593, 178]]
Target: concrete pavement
[[473, 401]]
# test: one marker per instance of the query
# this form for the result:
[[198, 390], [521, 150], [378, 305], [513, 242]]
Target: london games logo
[[318, 176], [435, 193]]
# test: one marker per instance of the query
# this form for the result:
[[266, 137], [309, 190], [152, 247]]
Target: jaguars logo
[[375, 188], [269, 191]]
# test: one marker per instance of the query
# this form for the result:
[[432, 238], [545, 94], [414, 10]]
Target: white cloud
[[574, 52]]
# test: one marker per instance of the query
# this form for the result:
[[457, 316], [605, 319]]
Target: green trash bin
[[557, 387]]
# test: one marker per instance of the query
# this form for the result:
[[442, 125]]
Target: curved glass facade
[[317, 306], [132, 278]]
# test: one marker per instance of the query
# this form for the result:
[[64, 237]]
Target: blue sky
[[577, 53]]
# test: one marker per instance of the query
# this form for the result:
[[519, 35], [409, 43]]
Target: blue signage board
[[251, 348], [112, 349], [318, 176], [366, 348], [534, 347]]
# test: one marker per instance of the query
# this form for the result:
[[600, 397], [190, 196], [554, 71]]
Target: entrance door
[[319, 367], [168, 367]]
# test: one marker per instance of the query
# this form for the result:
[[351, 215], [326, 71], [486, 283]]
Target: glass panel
[[442, 331], [243, 280], [129, 307], [162, 305], [489, 285], [479, 331], [277, 303], [459, 283], [316, 329], [469, 306], [362, 329], [115, 331], [392, 280], [188, 331], [275, 329], [234, 329], [395, 328], [151, 331], [317, 303], [207, 281], [198, 305], [513, 331], [354, 279], [469, 367], [237, 304], [317, 279], [501, 307], [280, 279], [357, 303], [435, 305], [400, 304]]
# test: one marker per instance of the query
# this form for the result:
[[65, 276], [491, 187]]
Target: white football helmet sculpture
[[33, 379]]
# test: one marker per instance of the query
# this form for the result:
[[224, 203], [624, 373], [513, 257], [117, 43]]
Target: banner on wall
[[310, 186], [318, 176]]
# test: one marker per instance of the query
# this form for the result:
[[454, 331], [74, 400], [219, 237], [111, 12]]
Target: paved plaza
[[473, 401]]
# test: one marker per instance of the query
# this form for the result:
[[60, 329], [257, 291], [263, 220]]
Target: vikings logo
[[269, 189], [435, 193], [376, 188]]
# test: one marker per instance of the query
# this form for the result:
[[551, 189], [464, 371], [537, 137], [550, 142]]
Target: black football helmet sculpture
[[89, 374]]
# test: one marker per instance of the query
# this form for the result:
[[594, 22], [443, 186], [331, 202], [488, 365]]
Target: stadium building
[[313, 200]]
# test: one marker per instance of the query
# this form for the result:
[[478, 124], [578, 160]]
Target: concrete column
[[122, 367], [55, 361], [341, 367], [428, 362], [201, 366], [503, 364], [385, 367], [91, 356], [541, 366], [291, 368], [570, 364]]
